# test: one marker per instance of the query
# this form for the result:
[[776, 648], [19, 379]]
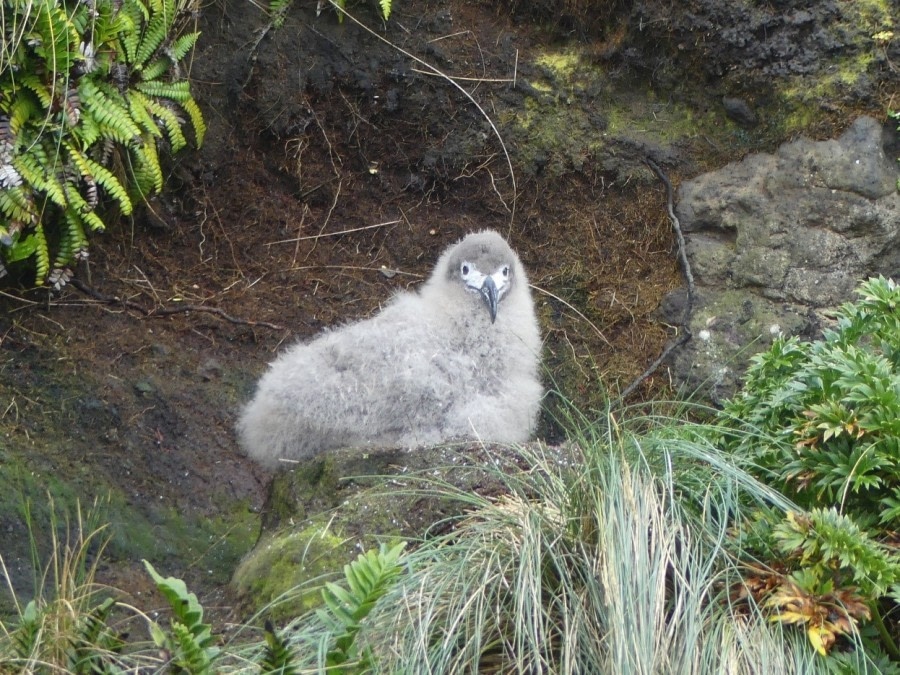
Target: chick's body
[[432, 366]]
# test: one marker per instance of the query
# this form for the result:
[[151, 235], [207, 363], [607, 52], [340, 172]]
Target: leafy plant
[[189, 643], [90, 92], [277, 657], [611, 555], [66, 625], [824, 425], [833, 407], [368, 578], [828, 577]]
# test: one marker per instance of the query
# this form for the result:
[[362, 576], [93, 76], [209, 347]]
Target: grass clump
[[613, 556]]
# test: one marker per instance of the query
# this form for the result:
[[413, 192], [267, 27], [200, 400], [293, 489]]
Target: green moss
[[285, 566], [563, 64]]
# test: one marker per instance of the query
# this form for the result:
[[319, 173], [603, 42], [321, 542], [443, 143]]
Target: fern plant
[[368, 578], [189, 643], [90, 93]]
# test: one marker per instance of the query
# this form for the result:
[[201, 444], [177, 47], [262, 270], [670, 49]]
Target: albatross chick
[[457, 359]]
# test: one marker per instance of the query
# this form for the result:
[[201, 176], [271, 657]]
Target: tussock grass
[[615, 555]]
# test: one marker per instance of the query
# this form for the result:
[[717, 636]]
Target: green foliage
[[368, 578], [277, 656], [189, 644], [65, 627], [833, 407], [825, 428], [85, 86]]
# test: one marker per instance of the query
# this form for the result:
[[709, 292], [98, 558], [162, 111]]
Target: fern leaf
[[172, 124], [184, 44], [277, 657], [34, 84], [57, 37], [107, 112], [156, 68], [158, 28], [22, 109], [147, 168], [140, 112], [40, 179], [41, 255], [132, 15], [385, 8], [87, 131], [91, 219], [16, 204], [193, 110], [90, 168], [177, 91]]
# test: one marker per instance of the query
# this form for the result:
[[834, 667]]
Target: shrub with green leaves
[[833, 409], [821, 420], [90, 93]]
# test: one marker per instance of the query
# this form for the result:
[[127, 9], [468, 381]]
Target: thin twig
[[688, 276], [459, 78], [166, 311], [333, 234], [583, 317]]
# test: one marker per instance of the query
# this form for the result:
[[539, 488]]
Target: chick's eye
[[506, 272], [464, 269]]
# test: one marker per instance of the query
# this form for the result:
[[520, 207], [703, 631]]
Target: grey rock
[[775, 240]]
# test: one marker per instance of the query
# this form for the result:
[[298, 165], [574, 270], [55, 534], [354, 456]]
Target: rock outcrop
[[775, 240]]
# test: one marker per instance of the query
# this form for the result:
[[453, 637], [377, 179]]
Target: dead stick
[[166, 311], [688, 276]]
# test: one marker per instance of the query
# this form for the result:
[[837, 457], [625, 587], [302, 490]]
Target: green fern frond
[[193, 110], [34, 84], [277, 657], [90, 168], [172, 124], [133, 13], [368, 578], [93, 641], [385, 8], [107, 112], [23, 108], [139, 105], [156, 68], [177, 91], [146, 170], [83, 209], [40, 178], [87, 131], [57, 36], [158, 28], [16, 204], [183, 45], [65, 250], [41, 255], [191, 641]]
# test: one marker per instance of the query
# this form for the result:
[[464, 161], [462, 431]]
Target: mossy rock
[[323, 512]]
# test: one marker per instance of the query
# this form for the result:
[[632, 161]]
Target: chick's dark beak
[[491, 296]]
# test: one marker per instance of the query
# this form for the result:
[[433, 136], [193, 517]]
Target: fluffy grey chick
[[457, 359]]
